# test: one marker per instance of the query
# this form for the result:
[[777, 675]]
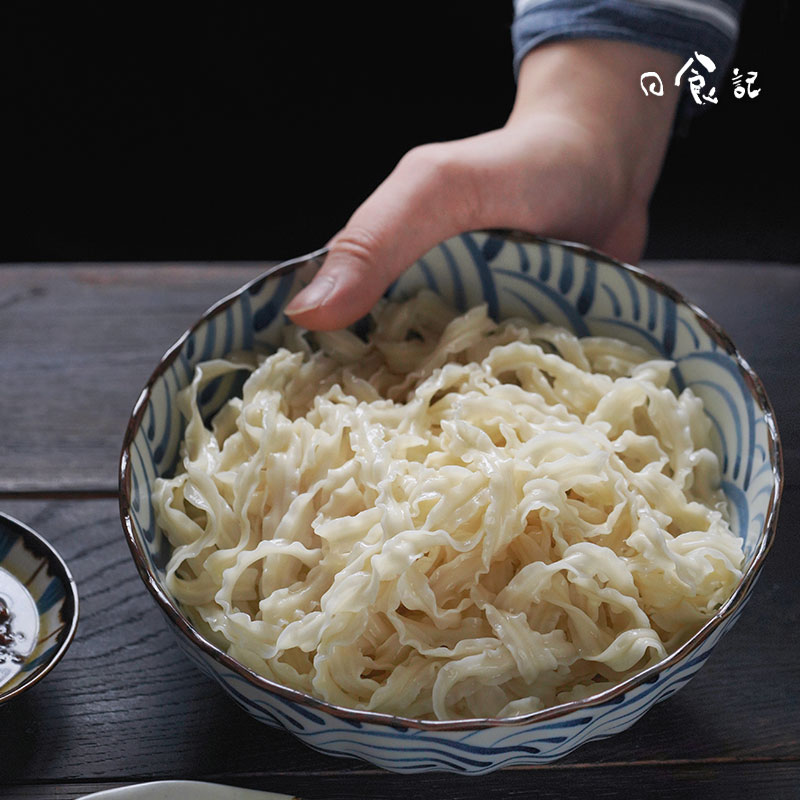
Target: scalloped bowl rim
[[181, 621]]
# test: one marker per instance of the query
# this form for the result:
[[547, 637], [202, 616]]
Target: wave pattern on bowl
[[402, 749], [541, 280]]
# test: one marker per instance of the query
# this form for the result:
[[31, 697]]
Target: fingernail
[[313, 296]]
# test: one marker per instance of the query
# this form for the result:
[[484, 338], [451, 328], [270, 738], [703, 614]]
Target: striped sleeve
[[709, 27]]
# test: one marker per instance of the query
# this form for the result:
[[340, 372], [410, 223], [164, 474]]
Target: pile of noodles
[[455, 518]]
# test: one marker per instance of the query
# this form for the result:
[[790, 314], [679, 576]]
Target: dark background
[[252, 131]]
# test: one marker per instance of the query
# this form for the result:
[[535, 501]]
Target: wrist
[[591, 87]]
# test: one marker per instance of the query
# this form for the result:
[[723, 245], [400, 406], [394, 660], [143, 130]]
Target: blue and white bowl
[[40, 569], [515, 275]]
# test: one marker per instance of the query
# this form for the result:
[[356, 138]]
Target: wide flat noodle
[[455, 518]]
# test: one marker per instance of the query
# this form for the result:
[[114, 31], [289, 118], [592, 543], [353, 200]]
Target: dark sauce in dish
[[19, 625]]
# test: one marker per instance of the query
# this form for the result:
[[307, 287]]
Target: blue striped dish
[[515, 275], [38, 567]]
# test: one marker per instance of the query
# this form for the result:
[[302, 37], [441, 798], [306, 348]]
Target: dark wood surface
[[77, 344]]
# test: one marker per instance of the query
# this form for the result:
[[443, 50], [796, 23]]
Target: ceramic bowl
[[28, 558], [514, 275]]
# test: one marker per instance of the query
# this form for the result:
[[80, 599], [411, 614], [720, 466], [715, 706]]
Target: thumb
[[428, 197]]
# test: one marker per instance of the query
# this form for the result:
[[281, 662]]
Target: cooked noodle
[[455, 518]]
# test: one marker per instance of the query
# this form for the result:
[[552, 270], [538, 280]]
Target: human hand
[[577, 159]]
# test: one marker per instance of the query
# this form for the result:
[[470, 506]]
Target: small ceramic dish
[[514, 275], [38, 592]]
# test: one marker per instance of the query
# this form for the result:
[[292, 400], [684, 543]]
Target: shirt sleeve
[[709, 27]]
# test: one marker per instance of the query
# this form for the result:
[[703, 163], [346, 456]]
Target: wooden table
[[76, 345]]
